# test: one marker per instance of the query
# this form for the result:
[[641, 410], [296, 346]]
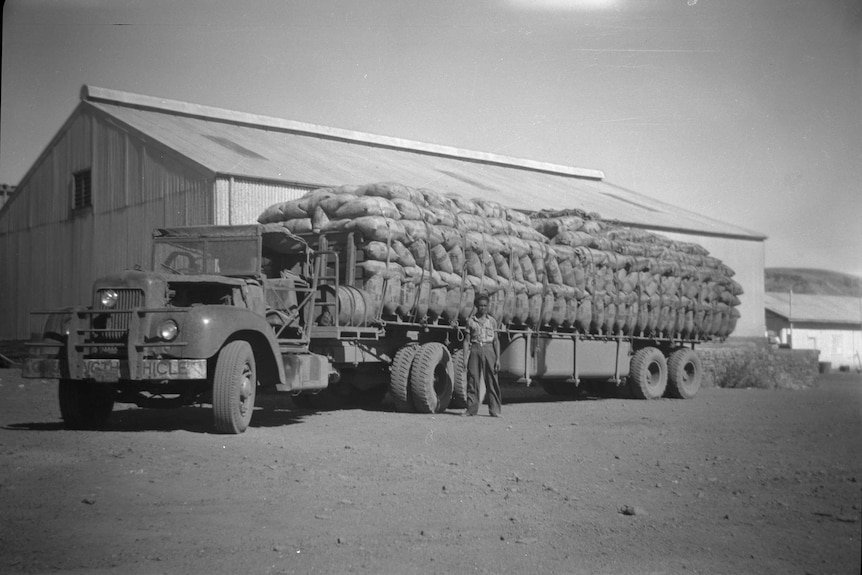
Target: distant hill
[[812, 281]]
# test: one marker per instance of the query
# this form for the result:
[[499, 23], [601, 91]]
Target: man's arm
[[496, 348]]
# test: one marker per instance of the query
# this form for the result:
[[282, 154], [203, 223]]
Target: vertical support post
[[350, 264], [575, 376], [617, 362], [528, 367]]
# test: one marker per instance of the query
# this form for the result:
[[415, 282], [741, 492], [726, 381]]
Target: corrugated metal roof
[[815, 308], [244, 145]]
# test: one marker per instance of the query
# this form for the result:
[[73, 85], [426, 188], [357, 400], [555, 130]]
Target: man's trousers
[[480, 367]]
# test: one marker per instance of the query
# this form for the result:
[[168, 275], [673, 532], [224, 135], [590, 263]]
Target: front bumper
[[113, 370]]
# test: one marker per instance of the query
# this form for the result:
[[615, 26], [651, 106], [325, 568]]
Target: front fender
[[204, 330], [55, 324]]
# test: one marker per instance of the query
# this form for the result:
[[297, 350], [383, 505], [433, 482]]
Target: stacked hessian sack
[[640, 283], [425, 255]]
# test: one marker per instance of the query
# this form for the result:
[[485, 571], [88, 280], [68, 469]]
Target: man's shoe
[[496, 415]]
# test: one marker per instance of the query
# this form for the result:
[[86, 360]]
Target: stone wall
[[754, 363]]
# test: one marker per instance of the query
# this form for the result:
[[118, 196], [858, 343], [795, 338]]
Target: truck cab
[[222, 310]]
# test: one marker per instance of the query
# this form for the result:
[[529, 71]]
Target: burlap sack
[[407, 209], [298, 225], [502, 265], [283, 211], [390, 191], [319, 219], [527, 269], [379, 251], [472, 264], [404, 256], [331, 204], [419, 249], [378, 228], [368, 206]]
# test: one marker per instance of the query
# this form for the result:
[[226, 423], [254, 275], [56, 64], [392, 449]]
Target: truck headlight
[[168, 330], [108, 298]]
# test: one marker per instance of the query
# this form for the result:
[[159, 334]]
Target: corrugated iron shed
[[815, 308], [235, 144]]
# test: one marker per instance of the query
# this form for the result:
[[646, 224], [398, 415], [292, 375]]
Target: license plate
[[174, 369], [102, 369]]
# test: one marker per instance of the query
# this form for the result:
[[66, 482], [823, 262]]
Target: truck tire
[[399, 382], [234, 387], [648, 376], [85, 405], [459, 381], [684, 373], [431, 378]]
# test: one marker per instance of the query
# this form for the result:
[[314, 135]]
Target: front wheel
[[85, 405], [234, 387]]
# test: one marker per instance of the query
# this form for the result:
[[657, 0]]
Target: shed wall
[[241, 200], [50, 254]]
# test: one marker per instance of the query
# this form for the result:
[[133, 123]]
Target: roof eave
[[96, 94]]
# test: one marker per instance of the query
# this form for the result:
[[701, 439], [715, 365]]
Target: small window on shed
[[82, 195]]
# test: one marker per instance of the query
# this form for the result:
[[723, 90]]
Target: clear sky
[[749, 111]]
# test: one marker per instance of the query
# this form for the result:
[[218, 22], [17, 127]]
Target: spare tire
[[684, 373], [459, 380], [399, 382], [431, 378]]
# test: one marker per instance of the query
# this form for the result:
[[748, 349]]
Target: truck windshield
[[224, 256]]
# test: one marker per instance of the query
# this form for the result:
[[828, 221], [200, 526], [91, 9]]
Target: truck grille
[[119, 316], [108, 330]]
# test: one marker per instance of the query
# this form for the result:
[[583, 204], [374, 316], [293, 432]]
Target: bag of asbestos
[[422, 254]]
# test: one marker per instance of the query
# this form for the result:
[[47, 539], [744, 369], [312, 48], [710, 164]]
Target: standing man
[[483, 360]]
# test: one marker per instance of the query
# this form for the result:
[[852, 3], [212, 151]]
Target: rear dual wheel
[[679, 376], [685, 373], [648, 373]]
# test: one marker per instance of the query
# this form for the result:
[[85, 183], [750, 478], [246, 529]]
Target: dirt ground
[[734, 481]]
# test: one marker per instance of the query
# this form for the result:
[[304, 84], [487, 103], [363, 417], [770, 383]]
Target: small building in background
[[831, 324]]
